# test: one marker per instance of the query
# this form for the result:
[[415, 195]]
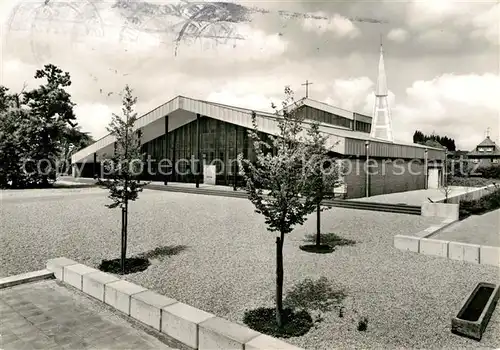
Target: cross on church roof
[[488, 131], [307, 83]]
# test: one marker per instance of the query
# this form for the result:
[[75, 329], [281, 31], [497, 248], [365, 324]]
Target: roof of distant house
[[487, 142]]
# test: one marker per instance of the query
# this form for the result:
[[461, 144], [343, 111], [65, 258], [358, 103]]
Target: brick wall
[[387, 176]]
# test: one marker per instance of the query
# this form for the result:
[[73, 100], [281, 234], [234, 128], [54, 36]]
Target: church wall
[[220, 143], [224, 141], [386, 176]]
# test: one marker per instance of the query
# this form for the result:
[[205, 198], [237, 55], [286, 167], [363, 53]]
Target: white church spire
[[381, 78], [381, 121]]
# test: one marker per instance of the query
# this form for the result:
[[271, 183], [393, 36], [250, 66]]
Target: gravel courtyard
[[229, 261]]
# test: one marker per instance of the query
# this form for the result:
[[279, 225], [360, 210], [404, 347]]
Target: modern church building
[[185, 129]]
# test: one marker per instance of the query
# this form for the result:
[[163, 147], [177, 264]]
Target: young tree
[[284, 173], [124, 166], [324, 175], [446, 190]]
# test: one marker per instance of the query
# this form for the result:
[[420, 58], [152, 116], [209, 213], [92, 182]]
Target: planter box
[[473, 317]]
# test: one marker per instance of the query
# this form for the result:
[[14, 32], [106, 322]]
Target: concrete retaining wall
[[473, 194], [471, 253], [448, 211], [190, 326]]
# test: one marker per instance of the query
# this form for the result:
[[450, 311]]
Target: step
[[350, 204]]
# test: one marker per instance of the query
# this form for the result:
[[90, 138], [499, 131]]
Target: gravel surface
[[229, 261]]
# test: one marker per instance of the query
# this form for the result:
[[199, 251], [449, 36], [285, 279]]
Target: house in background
[[486, 154]]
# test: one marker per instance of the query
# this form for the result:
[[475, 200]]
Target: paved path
[[47, 315], [414, 197], [476, 229]]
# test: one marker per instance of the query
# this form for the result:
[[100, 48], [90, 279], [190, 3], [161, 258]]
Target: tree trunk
[[124, 250], [279, 280], [124, 240], [318, 224], [122, 260]]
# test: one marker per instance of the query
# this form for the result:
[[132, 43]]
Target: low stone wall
[[195, 328], [472, 253], [474, 194], [441, 210]]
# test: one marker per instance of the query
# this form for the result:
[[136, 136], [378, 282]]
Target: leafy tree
[[433, 143], [51, 109], [73, 140], [34, 129], [125, 165], [15, 142], [281, 168], [11, 150], [325, 172], [4, 99], [420, 138]]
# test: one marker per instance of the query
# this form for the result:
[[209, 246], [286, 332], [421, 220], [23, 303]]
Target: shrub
[[491, 172], [476, 207], [363, 324], [470, 181]]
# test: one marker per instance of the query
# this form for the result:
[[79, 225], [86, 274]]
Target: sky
[[442, 57]]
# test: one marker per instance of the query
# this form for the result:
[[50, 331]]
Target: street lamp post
[[445, 167], [367, 171]]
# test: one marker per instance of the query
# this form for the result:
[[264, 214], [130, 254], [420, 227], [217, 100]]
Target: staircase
[[339, 203], [351, 204]]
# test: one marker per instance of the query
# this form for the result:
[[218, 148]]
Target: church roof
[[267, 123], [328, 108]]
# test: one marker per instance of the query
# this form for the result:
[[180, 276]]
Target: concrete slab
[[117, 294], [218, 333], [56, 266], [407, 243], [180, 321], [463, 252], [265, 342], [73, 274], [490, 256], [442, 210], [93, 283], [434, 247], [146, 307]]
